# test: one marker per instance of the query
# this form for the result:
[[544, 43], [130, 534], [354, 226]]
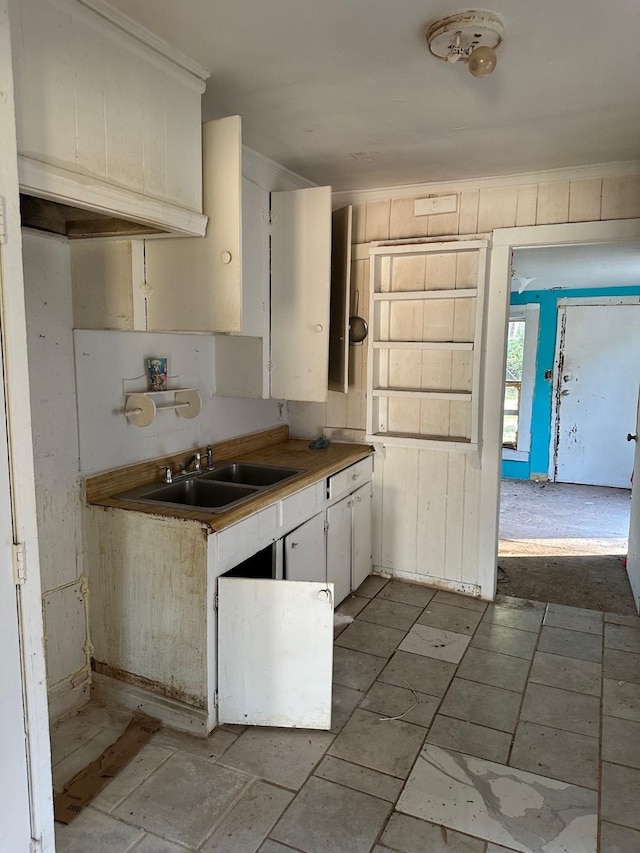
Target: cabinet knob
[[318, 327], [294, 545], [355, 476], [226, 257]]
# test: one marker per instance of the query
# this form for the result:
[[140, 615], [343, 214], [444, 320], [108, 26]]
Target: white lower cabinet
[[349, 557], [361, 535], [305, 552], [275, 652]]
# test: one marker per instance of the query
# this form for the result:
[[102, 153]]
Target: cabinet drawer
[[350, 478], [301, 506], [240, 541]]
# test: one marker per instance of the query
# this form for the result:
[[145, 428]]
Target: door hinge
[[216, 699], [19, 563], [36, 845], [326, 526], [3, 234], [215, 601]]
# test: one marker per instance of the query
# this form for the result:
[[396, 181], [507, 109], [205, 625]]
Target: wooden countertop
[[269, 447]]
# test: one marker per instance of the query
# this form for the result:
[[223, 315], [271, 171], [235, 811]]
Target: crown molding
[[254, 161]]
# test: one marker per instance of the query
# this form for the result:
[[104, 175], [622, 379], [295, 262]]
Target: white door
[[633, 555], [275, 653], [339, 547], [300, 291], [597, 376], [362, 536], [305, 552]]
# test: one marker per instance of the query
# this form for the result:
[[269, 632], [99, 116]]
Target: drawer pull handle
[[355, 476], [294, 545]]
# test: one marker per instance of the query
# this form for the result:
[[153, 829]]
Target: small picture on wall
[[157, 373]]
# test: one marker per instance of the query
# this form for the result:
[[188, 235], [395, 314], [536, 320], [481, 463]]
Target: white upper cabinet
[[195, 285], [108, 115], [300, 293]]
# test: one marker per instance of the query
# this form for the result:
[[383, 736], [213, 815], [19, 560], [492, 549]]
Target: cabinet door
[[361, 535], [339, 547], [195, 284], [275, 653], [305, 552], [300, 290], [341, 225]]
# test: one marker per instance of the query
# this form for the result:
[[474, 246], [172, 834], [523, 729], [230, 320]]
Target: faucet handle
[[168, 473], [209, 457]]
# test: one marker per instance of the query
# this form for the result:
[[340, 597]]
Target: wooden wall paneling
[[91, 143], [45, 101], [377, 220], [125, 160], [432, 512], [358, 224], [444, 223], [438, 319], [183, 147], [454, 524], [462, 370], [464, 318], [435, 418], [441, 271], [553, 203], [497, 208], [527, 205], [400, 518], [466, 270], [102, 284], [404, 415], [336, 409], [404, 223], [408, 272], [378, 506], [154, 133], [621, 197], [470, 519], [460, 419], [585, 200], [468, 218]]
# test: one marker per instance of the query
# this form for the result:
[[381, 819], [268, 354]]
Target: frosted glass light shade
[[482, 61]]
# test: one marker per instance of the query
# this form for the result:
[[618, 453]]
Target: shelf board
[[422, 394], [427, 442], [443, 345], [413, 295]]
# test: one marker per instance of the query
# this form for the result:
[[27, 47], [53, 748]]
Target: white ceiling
[[346, 92], [602, 265]]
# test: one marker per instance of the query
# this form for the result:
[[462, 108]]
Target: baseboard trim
[[172, 712], [471, 589]]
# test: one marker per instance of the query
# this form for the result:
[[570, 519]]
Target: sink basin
[[246, 473], [193, 492]]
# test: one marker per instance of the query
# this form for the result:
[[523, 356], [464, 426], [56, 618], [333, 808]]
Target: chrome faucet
[[209, 457], [195, 460]]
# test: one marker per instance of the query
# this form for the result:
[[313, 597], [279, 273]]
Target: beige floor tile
[[343, 702], [211, 748], [392, 614], [389, 700], [621, 699], [618, 619], [271, 846], [435, 643], [622, 638], [106, 716], [359, 778], [571, 644], [574, 618], [559, 754], [581, 676], [183, 799], [389, 746], [410, 835], [515, 613], [408, 593], [456, 600], [371, 639], [620, 795], [470, 739], [154, 844], [371, 586], [621, 666], [328, 817], [150, 757], [561, 709], [245, 827], [618, 839], [504, 671], [621, 741], [283, 756], [507, 641], [354, 669], [482, 704], [69, 734], [93, 832], [458, 619], [352, 605], [425, 675]]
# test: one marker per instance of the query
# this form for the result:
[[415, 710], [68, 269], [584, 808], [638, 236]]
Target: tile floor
[[458, 727]]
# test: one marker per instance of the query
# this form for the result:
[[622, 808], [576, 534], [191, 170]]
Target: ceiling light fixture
[[468, 36]]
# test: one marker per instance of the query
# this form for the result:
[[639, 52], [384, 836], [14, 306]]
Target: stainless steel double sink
[[215, 490]]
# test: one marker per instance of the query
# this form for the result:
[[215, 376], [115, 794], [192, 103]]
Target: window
[[513, 383], [522, 343]]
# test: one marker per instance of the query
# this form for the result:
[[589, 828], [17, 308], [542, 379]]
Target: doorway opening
[[570, 395]]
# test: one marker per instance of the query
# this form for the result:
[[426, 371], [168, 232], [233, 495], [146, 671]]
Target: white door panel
[[597, 377], [633, 556], [275, 652], [305, 553], [362, 536], [339, 547]]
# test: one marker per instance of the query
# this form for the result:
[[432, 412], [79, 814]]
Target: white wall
[[105, 359]]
